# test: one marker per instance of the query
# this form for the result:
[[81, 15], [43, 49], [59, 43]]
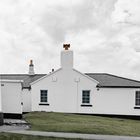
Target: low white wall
[[119, 101], [11, 97]]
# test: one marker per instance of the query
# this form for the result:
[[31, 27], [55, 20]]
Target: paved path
[[14, 124], [73, 135], [5, 128]]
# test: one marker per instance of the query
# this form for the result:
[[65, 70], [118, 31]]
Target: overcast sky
[[104, 35]]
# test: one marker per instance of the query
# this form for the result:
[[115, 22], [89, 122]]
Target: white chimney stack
[[66, 57], [31, 68]]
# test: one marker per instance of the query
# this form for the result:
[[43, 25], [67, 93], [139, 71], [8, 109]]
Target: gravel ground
[[14, 121]]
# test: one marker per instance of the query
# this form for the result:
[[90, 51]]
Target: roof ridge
[[96, 73]]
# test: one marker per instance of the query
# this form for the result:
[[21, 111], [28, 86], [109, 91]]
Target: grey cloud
[[34, 29], [62, 20]]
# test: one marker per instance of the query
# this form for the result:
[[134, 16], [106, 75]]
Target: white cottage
[[61, 91], [68, 90]]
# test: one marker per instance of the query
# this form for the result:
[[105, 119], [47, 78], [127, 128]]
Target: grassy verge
[[8, 136], [82, 124]]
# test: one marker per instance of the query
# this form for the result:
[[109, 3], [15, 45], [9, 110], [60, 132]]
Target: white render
[[26, 100], [0, 98], [116, 101], [65, 95], [11, 96], [64, 91], [67, 59]]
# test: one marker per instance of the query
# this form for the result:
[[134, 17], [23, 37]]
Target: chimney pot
[[31, 62], [66, 46]]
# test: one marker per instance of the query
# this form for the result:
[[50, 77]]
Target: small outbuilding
[[11, 96]]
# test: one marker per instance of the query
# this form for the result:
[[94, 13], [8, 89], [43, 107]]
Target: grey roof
[[104, 79], [109, 80], [27, 79]]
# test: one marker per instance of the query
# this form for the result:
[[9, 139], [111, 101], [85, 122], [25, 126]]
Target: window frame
[[43, 102], [89, 98], [137, 98]]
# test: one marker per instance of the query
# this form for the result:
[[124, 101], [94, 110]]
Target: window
[[43, 96], [137, 98], [86, 96]]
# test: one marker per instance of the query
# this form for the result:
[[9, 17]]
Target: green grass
[[8, 136], [82, 124]]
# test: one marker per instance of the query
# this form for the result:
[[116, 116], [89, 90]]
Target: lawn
[[63, 122], [7, 136]]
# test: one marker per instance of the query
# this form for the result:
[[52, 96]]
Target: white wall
[[64, 93], [26, 99], [0, 98], [120, 101], [11, 97]]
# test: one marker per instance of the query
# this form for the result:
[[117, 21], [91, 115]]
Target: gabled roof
[[109, 80], [27, 79], [104, 79]]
